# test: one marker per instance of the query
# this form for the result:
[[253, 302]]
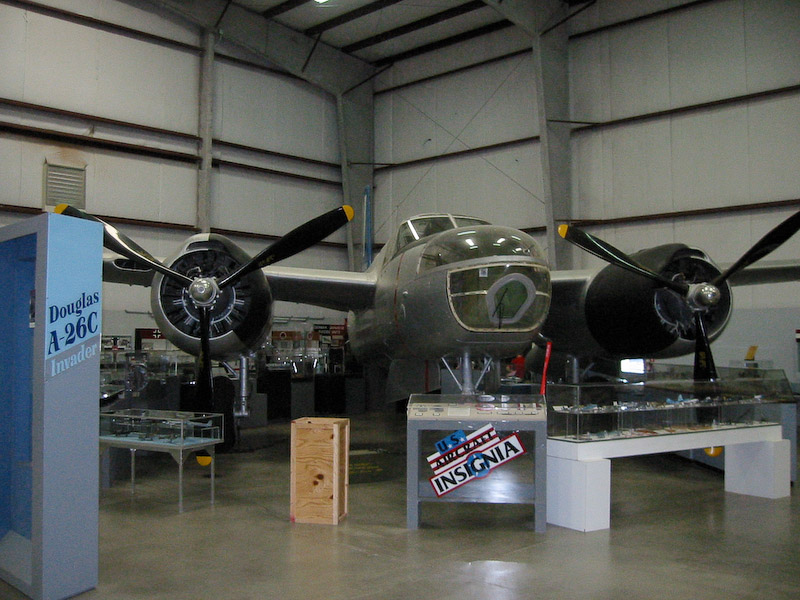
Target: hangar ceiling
[[382, 32]]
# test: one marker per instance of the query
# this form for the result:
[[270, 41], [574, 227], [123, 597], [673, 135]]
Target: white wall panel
[[412, 191], [774, 146], [141, 188], [453, 57], [503, 186], [641, 178], [383, 108], [147, 84], [268, 205], [63, 75], [608, 12], [509, 112], [773, 43], [414, 130], [724, 237], [709, 159], [13, 27], [96, 72], [127, 14], [589, 77], [126, 298], [592, 182], [706, 53], [467, 109], [275, 113], [383, 213], [762, 222], [10, 173], [639, 236], [639, 69]]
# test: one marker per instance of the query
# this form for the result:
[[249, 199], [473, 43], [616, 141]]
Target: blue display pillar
[[50, 328]]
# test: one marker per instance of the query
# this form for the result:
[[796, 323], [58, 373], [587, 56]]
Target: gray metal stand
[[180, 454], [468, 414]]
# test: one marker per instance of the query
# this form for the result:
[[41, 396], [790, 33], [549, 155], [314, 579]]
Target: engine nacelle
[[242, 313], [628, 315]]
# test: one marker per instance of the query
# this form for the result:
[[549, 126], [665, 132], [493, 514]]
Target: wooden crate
[[320, 449]]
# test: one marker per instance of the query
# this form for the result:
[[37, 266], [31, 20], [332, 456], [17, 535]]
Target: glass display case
[[659, 404], [178, 433], [166, 428]]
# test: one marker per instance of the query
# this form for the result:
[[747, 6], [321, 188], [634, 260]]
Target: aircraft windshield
[[420, 227], [477, 242]]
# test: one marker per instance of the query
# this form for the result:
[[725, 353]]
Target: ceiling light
[[320, 1]]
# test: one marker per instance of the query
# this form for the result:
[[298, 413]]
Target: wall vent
[[64, 185]]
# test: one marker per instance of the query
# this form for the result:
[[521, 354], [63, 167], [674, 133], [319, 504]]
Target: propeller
[[118, 242], [297, 240], [204, 290], [700, 297]]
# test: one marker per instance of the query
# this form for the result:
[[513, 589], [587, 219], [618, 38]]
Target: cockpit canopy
[[422, 226], [479, 242]]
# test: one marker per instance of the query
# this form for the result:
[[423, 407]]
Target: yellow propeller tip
[[562, 230], [203, 461], [349, 212], [61, 208]]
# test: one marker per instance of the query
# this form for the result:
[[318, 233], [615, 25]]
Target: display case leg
[[133, 471], [213, 466], [180, 483]]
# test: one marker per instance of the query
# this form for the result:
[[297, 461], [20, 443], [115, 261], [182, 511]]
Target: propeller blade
[[118, 242], [616, 257], [204, 388], [295, 241], [704, 368], [762, 247]]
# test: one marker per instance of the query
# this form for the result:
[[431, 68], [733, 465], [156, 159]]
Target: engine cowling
[[629, 315], [625, 315], [240, 316]]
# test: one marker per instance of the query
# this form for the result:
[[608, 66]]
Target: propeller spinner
[[699, 297]]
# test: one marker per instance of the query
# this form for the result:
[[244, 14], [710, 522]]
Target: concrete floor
[[674, 534]]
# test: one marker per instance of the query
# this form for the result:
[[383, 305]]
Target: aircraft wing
[[338, 290], [124, 270], [767, 272]]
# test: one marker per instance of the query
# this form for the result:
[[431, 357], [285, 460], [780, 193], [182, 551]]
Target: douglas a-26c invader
[[446, 287]]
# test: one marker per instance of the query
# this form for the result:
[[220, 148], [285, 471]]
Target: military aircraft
[[446, 287]]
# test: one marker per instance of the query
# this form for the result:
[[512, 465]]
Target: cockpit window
[[477, 242], [469, 221], [420, 227]]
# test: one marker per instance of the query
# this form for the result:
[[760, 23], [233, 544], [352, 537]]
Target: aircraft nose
[[500, 297]]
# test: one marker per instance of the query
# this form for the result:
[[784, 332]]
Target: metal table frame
[[418, 491], [180, 452]]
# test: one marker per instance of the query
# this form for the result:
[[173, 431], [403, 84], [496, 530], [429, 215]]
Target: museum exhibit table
[[469, 463], [591, 424], [178, 433]]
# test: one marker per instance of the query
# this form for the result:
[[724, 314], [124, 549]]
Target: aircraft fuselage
[[483, 289]]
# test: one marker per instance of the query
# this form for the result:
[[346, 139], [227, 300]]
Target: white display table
[[757, 463]]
